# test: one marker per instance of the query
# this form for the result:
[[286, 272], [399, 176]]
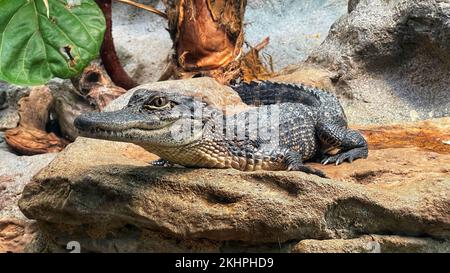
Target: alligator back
[[266, 93]]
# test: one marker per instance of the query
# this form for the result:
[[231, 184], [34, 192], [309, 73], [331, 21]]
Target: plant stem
[[263, 44], [108, 52]]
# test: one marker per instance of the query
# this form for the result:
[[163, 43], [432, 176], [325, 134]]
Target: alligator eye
[[157, 103]]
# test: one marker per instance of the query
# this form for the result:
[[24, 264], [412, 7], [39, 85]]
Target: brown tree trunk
[[208, 36]]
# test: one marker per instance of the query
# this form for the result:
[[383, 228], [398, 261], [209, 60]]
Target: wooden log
[[31, 137], [96, 88]]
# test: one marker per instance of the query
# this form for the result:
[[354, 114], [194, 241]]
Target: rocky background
[[387, 61]]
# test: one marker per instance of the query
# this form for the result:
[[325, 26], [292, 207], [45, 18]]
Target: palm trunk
[[208, 36]]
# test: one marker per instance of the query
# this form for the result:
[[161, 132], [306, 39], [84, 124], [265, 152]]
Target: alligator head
[[150, 118]]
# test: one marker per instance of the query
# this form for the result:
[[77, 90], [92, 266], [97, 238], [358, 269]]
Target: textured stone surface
[[15, 172], [15, 234], [374, 244], [9, 118], [391, 58], [105, 193]]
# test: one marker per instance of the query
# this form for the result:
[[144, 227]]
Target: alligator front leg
[[293, 161], [351, 143]]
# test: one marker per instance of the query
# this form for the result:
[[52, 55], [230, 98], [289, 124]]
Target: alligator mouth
[[103, 133], [116, 126], [128, 126], [131, 135]]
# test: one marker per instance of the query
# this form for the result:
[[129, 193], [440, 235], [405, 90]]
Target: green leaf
[[35, 48]]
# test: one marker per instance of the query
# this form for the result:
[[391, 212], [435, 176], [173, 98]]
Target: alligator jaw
[[123, 135], [125, 126], [119, 126]]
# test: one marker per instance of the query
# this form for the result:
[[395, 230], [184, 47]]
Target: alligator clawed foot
[[306, 169], [161, 163], [345, 156]]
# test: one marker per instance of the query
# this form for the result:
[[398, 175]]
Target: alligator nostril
[[81, 122], [77, 122]]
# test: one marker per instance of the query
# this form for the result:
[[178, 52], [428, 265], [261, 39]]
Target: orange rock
[[137, 153], [15, 234], [429, 135]]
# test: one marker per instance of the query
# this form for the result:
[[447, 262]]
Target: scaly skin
[[309, 124]]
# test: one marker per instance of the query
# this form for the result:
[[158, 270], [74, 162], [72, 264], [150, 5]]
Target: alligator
[[286, 126]]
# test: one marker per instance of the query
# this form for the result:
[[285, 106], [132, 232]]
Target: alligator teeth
[[105, 133]]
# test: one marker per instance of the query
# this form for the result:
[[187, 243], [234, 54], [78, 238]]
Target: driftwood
[[31, 137], [93, 92], [96, 88]]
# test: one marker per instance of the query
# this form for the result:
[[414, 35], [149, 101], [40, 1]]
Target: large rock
[[377, 33], [391, 58], [107, 197]]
